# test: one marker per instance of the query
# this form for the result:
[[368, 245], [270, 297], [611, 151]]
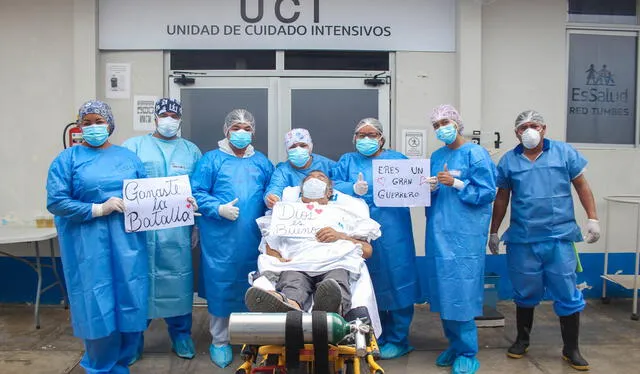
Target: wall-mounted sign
[[601, 98], [382, 25]]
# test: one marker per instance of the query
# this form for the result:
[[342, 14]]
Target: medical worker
[[229, 185], [392, 266], [300, 162], [105, 268], [537, 176], [165, 154], [463, 187]]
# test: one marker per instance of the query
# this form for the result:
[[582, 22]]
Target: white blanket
[[312, 257]]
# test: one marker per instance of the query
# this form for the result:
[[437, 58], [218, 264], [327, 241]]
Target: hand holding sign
[[113, 204], [229, 210], [361, 186], [192, 204], [444, 177]]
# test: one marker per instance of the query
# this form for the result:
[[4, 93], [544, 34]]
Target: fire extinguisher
[[72, 135]]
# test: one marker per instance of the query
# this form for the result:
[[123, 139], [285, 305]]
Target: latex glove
[[593, 231], [113, 204], [361, 186], [433, 183], [193, 203], [271, 200], [494, 243], [195, 237], [229, 210]]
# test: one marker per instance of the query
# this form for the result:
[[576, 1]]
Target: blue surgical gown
[[229, 248], [457, 228], [170, 266], [392, 265], [105, 269], [286, 175], [541, 202]]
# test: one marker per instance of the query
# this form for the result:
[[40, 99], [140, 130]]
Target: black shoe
[[524, 322], [327, 297], [570, 328]]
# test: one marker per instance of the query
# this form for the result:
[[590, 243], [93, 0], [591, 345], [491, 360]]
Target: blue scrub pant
[[462, 336], [179, 328], [111, 354], [395, 326], [545, 266]]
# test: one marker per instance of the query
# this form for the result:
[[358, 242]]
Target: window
[[603, 11], [223, 60], [601, 105], [336, 60]]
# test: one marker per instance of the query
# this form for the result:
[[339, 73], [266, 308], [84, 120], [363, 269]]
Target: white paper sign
[[118, 81], [144, 113], [298, 220], [414, 143], [157, 203], [401, 183]]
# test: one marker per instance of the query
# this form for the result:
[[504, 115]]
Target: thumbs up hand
[[444, 177], [229, 210], [361, 186]]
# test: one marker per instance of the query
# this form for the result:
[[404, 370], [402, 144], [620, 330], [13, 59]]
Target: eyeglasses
[[371, 135], [522, 128]]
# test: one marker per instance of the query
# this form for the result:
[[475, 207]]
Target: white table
[[628, 281], [26, 234]]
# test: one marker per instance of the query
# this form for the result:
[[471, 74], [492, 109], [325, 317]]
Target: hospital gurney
[[297, 342]]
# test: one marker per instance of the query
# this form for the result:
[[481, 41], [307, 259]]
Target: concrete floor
[[610, 341]]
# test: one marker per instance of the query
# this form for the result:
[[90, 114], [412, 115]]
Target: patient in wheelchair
[[320, 270]]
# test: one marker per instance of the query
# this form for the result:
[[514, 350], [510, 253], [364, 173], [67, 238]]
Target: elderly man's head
[[316, 187]]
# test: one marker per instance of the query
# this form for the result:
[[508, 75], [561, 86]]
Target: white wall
[[38, 78]]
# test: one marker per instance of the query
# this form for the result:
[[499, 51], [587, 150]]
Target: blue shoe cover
[[465, 365], [446, 358], [221, 356], [184, 348], [391, 350]]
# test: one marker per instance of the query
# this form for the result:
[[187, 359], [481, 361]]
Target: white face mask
[[530, 138], [168, 127], [314, 188]]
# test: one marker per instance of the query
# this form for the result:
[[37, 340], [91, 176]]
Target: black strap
[[293, 338], [320, 342]]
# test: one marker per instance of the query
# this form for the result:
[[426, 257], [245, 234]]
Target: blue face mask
[[447, 134], [240, 139], [367, 146], [298, 156], [95, 135]]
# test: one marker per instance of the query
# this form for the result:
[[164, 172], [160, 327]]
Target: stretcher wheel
[[635, 317], [241, 371], [379, 372], [605, 300]]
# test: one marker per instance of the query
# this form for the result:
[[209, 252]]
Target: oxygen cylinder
[[269, 328]]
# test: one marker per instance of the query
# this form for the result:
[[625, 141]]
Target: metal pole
[[606, 252], [39, 290], [54, 265], [634, 316]]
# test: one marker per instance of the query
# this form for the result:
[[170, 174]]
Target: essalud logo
[[602, 77]]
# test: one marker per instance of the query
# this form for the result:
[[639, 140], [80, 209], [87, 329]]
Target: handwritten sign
[[157, 203], [401, 183], [298, 220]]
